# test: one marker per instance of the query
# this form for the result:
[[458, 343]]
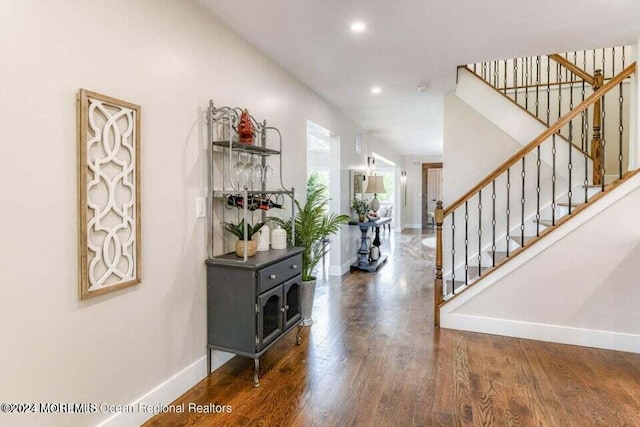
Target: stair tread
[[499, 255], [518, 239], [573, 204], [474, 272], [592, 186], [456, 285], [545, 222]]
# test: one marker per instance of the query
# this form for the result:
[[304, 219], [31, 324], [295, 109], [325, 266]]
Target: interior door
[[434, 188]]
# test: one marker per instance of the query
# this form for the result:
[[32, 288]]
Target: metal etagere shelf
[[242, 182]]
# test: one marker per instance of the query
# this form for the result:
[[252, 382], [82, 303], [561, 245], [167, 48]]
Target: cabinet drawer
[[277, 273]]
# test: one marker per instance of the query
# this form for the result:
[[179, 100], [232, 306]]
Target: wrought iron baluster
[[526, 83], [538, 164], [453, 252], [537, 85], [466, 243], [515, 79], [621, 126], [585, 134], [480, 233], [508, 212], [613, 62], [493, 222], [548, 90], [522, 202], [553, 181], [505, 76], [570, 165], [603, 141], [620, 131], [559, 75]]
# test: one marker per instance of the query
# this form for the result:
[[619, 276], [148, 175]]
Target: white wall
[[577, 286], [473, 148], [169, 57]]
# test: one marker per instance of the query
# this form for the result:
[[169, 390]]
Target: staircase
[[569, 113]]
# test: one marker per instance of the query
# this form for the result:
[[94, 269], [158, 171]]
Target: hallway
[[374, 358]]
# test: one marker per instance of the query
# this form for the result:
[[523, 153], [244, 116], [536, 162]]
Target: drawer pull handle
[[282, 309], [273, 277], [294, 266]]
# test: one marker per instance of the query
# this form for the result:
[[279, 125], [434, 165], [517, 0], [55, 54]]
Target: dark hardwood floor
[[373, 358]]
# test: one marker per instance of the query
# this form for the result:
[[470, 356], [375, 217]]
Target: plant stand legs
[[256, 371]]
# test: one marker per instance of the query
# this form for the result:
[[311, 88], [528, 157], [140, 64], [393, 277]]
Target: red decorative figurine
[[245, 131]]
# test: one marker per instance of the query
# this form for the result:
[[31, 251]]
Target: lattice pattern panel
[[109, 186]]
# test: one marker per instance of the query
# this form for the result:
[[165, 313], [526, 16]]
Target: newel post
[[437, 283], [596, 142]]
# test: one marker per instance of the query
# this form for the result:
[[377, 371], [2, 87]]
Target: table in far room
[[363, 262]]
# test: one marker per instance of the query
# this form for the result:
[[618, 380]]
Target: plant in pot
[[313, 225], [238, 231], [361, 207]]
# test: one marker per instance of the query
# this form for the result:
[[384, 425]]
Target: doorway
[[323, 168], [431, 192]]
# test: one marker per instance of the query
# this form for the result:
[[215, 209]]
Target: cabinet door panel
[[292, 294], [270, 316]]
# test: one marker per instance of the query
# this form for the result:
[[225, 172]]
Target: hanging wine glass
[[257, 174], [267, 176], [238, 172], [248, 173]]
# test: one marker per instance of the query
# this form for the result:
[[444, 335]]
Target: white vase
[[374, 253], [279, 238], [263, 239]]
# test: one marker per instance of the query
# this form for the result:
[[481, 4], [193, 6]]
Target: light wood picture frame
[[109, 204]]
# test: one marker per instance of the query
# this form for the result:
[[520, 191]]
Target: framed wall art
[[109, 194]]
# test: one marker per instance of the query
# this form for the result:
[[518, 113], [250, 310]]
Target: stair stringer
[[517, 123], [578, 285]]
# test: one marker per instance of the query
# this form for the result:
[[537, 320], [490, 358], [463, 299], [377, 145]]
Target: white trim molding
[[166, 392]]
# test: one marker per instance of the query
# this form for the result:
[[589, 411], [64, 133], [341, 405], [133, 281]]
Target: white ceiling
[[409, 41]]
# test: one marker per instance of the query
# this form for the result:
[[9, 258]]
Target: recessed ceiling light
[[376, 90], [358, 27]]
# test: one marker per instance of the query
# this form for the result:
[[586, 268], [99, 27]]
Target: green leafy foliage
[[313, 225], [361, 207], [238, 230]]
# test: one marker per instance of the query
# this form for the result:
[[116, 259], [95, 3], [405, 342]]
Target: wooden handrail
[[542, 137], [573, 68]]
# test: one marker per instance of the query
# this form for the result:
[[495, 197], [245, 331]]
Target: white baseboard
[[335, 270], [168, 391], [544, 332], [412, 226]]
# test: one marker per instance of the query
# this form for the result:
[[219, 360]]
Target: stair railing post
[[596, 142], [438, 296]]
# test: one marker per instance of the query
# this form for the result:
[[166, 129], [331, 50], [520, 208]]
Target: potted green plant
[[238, 231], [313, 224], [361, 207]]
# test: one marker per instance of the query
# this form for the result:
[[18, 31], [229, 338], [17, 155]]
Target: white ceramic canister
[[279, 238], [263, 239]]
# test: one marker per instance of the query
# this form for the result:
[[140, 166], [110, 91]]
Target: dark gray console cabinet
[[251, 305]]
